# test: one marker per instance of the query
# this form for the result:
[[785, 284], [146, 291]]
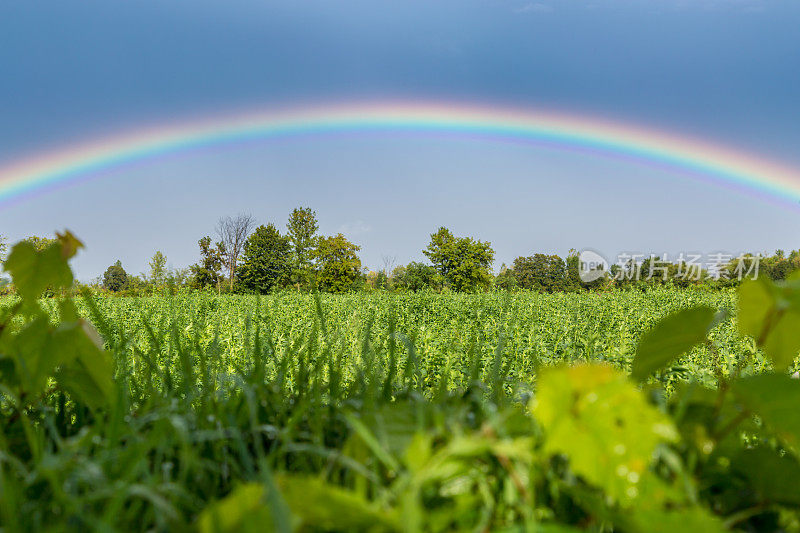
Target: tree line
[[248, 258]]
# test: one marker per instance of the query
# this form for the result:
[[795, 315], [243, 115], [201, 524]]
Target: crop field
[[451, 334], [529, 401], [656, 409]]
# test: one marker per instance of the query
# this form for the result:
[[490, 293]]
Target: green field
[[451, 333], [507, 411]]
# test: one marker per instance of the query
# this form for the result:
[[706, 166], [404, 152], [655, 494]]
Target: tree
[[540, 272], [302, 229], [338, 265], [266, 263], [506, 279], [115, 278], [207, 271], [416, 277], [233, 233], [41, 243], [158, 268], [463, 262]]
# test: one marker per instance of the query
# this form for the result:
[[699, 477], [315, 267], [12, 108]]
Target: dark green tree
[[115, 278], [506, 279], [207, 272], [540, 272], [463, 262], [416, 277], [338, 265], [302, 230], [266, 263]]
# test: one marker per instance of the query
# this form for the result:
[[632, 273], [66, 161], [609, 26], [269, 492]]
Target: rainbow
[[700, 159]]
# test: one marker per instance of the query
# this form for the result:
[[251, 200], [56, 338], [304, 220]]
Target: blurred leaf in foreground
[[597, 417]]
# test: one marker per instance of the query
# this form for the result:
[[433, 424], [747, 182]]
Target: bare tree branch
[[388, 263], [233, 233]]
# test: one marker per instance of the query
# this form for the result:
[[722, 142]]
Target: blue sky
[[725, 70]]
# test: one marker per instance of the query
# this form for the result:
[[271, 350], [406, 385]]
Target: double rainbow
[[700, 159]]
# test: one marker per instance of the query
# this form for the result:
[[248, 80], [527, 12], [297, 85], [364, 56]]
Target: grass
[[351, 412]]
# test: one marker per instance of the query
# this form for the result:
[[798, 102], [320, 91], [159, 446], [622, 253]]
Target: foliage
[[41, 243], [302, 231], [266, 263], [540, 272], [338, 265], [385, 412], [115, 278], [416, 277], [462, 262], [158, 269], [207, 272], [35, 352]]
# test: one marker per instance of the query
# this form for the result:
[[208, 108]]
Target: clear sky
[[724, 70]]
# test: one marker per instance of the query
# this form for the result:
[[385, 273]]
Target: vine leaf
[[670, 338]]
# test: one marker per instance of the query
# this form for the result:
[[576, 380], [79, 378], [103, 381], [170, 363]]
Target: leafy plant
[[385, 412]]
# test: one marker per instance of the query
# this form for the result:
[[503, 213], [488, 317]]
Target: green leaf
[[783, 342], [775, 399], [89, 375], [771, 476], [771, 314], [242, 510], [603, 423], [323, 506], [670, 338], [756, 301], [33, 271], [37, 350]]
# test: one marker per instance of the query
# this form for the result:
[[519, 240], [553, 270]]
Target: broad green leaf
[[670, 338], [756, 301], [89, 375], [39, 348], [242, 510], [33, 271], [323, 506], [771, 314], [597, 417], [771, 476], [783, 342], [775, 399]]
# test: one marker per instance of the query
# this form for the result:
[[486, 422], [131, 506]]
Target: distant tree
[[541, 272], [266, 262], [179, 277], [207, 271], [158, 268], [41, 243], [338, 265], [416, 277], [115, 278], [506, 279], [233, 233], [463, 262], [3, 248], [777, 267], [302, 230]]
